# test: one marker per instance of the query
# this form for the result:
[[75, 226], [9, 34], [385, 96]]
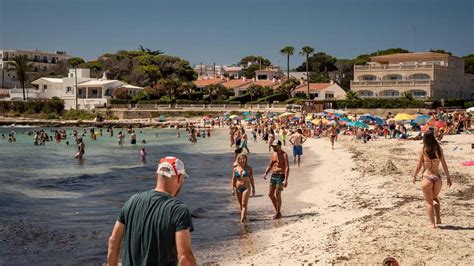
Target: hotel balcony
[[394, 67], [391, 83]]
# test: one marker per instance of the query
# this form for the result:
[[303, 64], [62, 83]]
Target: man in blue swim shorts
[[297, 139]]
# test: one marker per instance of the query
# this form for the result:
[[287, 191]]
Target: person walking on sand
[[243, 184], [279, 179], [332, 135], [153, 225], [297, 139], [80, 149], [430, 157]]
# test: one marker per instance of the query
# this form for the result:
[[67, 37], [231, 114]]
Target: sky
[[225, 31]]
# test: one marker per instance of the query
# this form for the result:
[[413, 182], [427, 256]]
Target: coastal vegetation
[[22, 66]]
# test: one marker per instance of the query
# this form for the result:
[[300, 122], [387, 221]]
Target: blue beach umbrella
[[422, 119], [357, 124], [345, 119]]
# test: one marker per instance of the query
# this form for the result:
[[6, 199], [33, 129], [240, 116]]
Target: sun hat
[[276, 143], [169, 166]]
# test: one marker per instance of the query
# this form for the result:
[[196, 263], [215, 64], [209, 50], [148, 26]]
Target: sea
[[55, 209]]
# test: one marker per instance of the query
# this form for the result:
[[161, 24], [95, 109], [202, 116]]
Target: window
[[45, 87], [94, 92], [71, 75], [329, 95], [45, 59], [68, 89]]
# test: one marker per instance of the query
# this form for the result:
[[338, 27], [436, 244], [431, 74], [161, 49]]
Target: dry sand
[[357, 204]]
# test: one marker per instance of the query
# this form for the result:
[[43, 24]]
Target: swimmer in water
[[80, 149], [143, 155]]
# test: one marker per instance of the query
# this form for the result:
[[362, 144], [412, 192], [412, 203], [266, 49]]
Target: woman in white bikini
[[430, 157]]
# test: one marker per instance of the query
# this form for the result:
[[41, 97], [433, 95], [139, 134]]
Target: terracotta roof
[[4, 92], [400, 57], [312, 87], [206, 82], [236, 83]]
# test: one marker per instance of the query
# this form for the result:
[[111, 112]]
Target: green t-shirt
[[151, 220]]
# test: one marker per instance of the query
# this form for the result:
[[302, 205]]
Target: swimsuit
[[432, 178], [241, 188], [297, 150], [276, 180]]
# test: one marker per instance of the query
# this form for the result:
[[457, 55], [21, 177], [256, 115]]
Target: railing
[[201, 106], [393, 67], [391, 82]]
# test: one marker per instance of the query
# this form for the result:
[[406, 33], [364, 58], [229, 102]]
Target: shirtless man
[[297, 140], [279, 179]]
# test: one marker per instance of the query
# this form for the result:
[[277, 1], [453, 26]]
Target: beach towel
[[468, 163]]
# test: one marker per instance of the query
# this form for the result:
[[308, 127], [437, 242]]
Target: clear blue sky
[[225, 31]]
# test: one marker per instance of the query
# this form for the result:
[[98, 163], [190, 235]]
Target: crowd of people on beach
[[276, 131]]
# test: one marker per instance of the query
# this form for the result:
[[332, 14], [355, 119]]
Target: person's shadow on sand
[[455, 227]]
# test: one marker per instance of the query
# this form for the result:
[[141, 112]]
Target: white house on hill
[[92, 92], [321, 91]]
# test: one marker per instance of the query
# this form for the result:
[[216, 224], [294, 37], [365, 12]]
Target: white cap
[[170, 166]]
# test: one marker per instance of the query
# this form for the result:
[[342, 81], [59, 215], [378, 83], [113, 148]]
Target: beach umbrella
[[322, 121], [296, 118], [309, 117], [439, 124], [332, 122], [357, 124], [403, 117], [470, 110], [345, 119], [285, 115], [342, 123], [234, 117], [422, 119]]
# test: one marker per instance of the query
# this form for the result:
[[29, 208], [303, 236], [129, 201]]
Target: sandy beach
[[357, 204]]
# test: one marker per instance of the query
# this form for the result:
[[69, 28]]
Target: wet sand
[[357, 204]]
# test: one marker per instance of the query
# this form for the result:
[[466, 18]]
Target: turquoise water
[[55, 209]]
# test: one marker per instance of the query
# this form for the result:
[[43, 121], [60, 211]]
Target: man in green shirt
[[154, 226]]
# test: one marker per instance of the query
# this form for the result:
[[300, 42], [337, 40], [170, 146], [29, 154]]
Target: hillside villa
[[91, 92], [423, 75]]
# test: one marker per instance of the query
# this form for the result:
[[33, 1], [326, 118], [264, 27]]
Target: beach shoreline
[[359, 206]]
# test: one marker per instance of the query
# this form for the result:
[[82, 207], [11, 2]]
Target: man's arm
[[270, 165], [183, 246], [115, 241], [287, 169]]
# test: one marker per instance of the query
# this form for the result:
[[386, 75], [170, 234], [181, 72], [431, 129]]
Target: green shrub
[[119, 101], [74, 114], [281, 97], [244, 98], [469, 104], [380, 103]]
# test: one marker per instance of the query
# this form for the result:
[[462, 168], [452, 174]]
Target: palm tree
[[351, 96], [22, 67], [288, 51], [307, 51]]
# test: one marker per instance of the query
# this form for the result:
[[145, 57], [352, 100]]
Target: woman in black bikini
[[242, 184], [430, 158]]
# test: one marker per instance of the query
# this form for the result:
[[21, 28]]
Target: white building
[[40, 61], [322, 91], [92, 92], [423, 75]]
